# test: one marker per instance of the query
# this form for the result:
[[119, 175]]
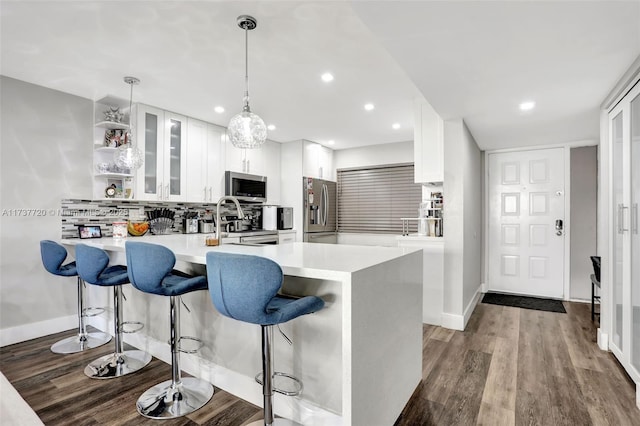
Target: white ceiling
[[473, 60]]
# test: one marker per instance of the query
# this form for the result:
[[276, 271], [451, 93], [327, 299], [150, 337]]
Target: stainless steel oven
[[260, 239]]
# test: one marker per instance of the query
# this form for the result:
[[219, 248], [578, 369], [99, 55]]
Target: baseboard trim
[[21, 333], [459, 322], [603, 340]]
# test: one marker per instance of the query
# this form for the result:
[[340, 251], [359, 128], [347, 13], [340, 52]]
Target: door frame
[[567, 207]]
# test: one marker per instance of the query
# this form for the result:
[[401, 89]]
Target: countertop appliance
[[245, 187], [275, 217], [320, 211]]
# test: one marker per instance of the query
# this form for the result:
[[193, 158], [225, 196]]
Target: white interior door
[[526, 198]]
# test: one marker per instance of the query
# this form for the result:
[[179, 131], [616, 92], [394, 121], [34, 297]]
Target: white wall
[[462, 222], [374, 155], [46, 155], [584, 169]]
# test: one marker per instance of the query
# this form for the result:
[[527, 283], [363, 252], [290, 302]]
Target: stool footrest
[[280, 381], [138, 324], [197, 342], [92, 312]]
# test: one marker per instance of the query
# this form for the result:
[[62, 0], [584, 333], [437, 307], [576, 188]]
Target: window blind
[[372, 200]]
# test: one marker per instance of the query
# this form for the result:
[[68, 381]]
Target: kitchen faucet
[[218, 220]]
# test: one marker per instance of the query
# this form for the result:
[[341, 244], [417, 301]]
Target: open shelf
[[112, 125]]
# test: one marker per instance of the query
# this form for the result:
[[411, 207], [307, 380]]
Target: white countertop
[[326, 261]]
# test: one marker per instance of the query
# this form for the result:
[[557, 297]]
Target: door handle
[[621, 228], [634, 219]]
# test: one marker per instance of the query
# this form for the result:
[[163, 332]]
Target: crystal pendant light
[[128, 156], [246, 129]]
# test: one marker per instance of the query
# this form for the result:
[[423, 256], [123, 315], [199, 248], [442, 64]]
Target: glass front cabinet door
[[161, 137]]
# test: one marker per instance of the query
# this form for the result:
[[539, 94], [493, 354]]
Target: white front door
[[526, 243]]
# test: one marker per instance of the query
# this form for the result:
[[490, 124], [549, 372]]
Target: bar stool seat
[[93, 267], [150, 268], [245, 287], [53, 255]]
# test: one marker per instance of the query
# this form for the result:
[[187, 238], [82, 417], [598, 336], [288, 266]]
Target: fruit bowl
[[137, 228]]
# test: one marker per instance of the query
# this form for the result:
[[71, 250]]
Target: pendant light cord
[[246, 69]]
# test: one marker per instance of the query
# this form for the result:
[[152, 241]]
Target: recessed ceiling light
[[219, 109], [369, 107], [271, 127], [331, 142], [327, 77], [527, 106], [395, 126]]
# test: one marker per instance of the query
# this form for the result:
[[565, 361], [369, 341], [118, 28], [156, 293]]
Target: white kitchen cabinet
[[317, 161], [428, 144], [241, 160], [204, 163], [161, 136], [286, 236]]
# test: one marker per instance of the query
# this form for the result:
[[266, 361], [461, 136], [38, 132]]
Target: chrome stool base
[[165, 401], [279, 421], [75, 344], [117, 365]]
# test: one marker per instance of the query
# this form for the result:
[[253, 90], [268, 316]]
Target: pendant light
[[246, 129], [128, 156]]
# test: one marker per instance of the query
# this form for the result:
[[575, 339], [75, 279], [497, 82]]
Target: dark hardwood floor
[[509, 367]]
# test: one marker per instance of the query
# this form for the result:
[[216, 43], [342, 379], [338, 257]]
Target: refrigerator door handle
[[325, 202]]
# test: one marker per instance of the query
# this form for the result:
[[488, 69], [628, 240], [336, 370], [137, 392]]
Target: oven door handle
[[266, 239]]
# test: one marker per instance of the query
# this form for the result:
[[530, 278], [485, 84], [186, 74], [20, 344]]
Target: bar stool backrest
[[92, 261], [53, 254], [241, 286], [148, 264]]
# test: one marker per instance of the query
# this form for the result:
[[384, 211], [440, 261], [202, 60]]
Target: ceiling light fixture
[[246, 129], [527, 106], [128, 156], [395, 126], [369, 107], [271, 127], [219, 109], [327, 77]]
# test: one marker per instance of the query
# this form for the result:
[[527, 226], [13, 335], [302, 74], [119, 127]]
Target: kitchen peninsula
[[360, 358]]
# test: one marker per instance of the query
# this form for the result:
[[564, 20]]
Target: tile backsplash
[[105, 212]]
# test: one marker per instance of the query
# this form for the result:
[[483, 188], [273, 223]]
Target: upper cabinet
[[317, 161], [205, 170], [428, 144], [161, 136]]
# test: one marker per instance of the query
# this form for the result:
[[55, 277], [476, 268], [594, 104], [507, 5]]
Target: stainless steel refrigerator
[[320, 210]]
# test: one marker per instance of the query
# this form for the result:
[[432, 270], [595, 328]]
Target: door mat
[[549, 305]]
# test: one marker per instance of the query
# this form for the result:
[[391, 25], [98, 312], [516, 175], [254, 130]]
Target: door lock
[[559, 227]]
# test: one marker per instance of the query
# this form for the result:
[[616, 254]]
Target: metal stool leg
[[176, 397], [83, 340], [267, 384], [120, 362]]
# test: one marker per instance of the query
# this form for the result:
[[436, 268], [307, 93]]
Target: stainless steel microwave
[[245, 187]]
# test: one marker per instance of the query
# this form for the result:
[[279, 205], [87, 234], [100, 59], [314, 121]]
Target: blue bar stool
[[93, 267], [150, 268], [245, 288], [53, 254]]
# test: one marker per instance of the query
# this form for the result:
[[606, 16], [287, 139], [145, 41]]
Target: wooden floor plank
[[510, 367]]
